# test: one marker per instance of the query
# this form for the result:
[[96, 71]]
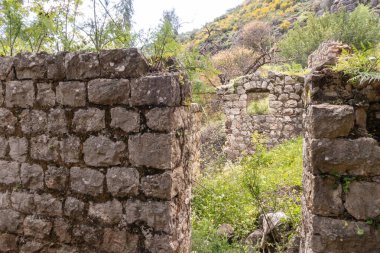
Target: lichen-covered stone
[[126, 120], [9, 172], [159, 151], [101, 151], [45, 148], [8, 242], [62, 229], [6, 66], [331, 121], [71, 94], [37, 228], [363, 200], [89, 120], [56, 178], [122, 182], [158, 215], [57, 122], [74, 207], [109, 91], [82, 65], [109, 213], [10, 221], [1, 94], [70, 148], [56, 66], [162, 243], [32, 176], [19, 94], [47, 204], [156, 90], [45, 95], [8, 121], [119, 241], [18, 148], [33, 121], [3, 147], [23, 202], [86, 181], [31, 66], [122, 63]]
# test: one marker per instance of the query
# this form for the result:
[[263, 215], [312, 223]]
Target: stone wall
[[327, 54], [341, 179], [95, 154], [284, 120]]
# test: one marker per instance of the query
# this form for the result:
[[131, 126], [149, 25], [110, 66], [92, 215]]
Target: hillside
[[222, 32]]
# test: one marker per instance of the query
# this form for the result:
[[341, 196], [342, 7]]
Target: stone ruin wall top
[[95, 154]]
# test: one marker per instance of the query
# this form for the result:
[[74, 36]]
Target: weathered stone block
[[19, 94], [70, 149], [101, 151], [109, 213], [45, 148], [62, 229], [3, 147], [158, 215], [71, 94], [159, 151], [89, 120], [8, 242], [6, 66], [31, 246], [10, 221], [37, 228], [341, 236], [18, 148], [5, 200], [57, 122], [122, 182], [126, 120], [1, 94], [30, 66], [163, 186], [74, 207], [23, 202], [156, 90], [166, 119], [84, 234], [119, 241], [47, 204], [330, 156], [45, 95], [8, 121], [9, 173], [363, 200], [32, 176], [56, 178], [162, 243], [56, 66], [82, 65], [86, 181], [33, 121], [330, 121], [108, 91], [122, 63], [323, 195]]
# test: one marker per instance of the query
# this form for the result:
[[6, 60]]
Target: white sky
[[192, 13]]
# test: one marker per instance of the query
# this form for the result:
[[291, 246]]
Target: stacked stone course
[[283, 122], [341, 202], [96, 154]]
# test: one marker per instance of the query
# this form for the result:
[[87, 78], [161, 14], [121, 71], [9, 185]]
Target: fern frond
[[366, 78]]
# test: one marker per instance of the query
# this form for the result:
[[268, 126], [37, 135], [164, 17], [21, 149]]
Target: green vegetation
[[361, 27], [362, 66], [239, 195], [259, 106]]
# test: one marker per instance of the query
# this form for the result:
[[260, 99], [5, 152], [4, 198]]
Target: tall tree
[[126, 9], [172, 17]]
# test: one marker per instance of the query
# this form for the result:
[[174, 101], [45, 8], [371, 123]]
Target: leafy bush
[[264, 182], [259, 107], [256, 35], [361, 27], [233, 62], [363, 66]]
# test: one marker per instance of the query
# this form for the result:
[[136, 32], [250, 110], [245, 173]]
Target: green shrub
[[361, 27], [362, 66], [259, 107], [268, 181]]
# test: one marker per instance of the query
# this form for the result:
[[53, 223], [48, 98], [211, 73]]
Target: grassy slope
[[280, 13], [224, 198]]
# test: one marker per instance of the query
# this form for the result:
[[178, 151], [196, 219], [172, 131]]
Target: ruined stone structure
[[341, 181], [282, 122], [95, 155], [327, 54]]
